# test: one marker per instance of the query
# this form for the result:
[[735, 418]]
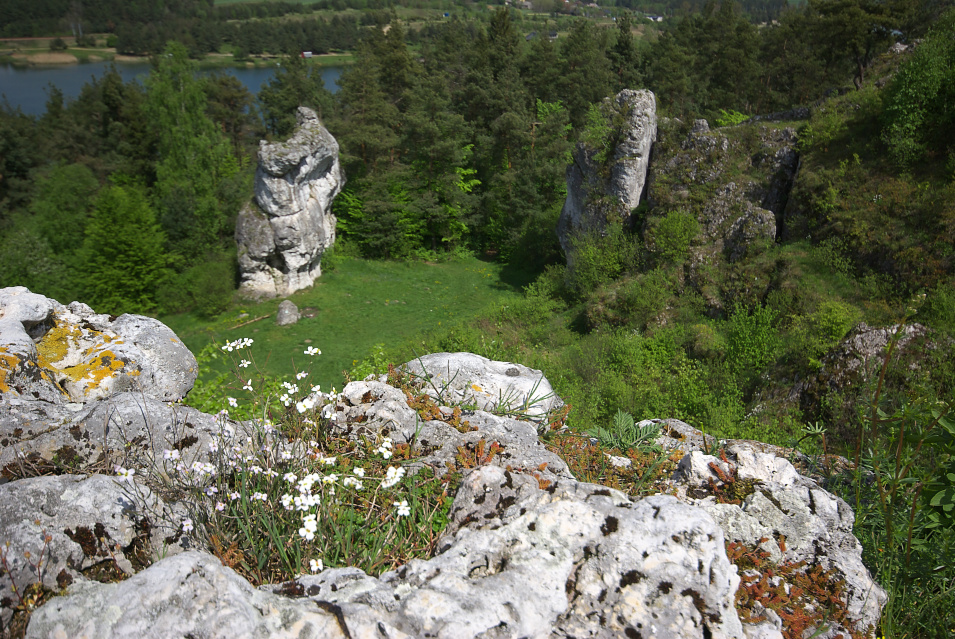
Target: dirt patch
[[52, 58]]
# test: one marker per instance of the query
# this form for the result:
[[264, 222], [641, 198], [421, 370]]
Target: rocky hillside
[[735, 545]]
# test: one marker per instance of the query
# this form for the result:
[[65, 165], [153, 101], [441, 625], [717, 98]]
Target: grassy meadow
[[351, 308]]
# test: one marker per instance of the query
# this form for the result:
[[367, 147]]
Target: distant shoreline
[[25, 59]]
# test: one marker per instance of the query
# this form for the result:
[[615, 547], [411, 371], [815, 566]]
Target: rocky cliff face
[[605, 186], [283, 231], [734, 182], [528, 551]]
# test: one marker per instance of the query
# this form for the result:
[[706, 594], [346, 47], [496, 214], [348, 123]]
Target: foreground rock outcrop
[[528, 550], [607, 187], [283, 232]]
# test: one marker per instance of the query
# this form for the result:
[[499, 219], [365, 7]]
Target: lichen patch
[[81, 357]]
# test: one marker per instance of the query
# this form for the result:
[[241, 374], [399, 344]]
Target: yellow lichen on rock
[[56, 344], [80, 357], [104, 365], [8, 364]]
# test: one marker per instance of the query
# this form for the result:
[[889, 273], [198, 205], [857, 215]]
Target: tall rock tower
[[287, 226], [606, 180]]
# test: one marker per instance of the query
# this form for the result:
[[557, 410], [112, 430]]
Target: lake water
[[28, 88]]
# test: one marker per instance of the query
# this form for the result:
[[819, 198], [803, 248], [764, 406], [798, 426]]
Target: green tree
[[297, 83], [852, 32], [123, 256], [196, 169], [61, 205], [587, 76], [624, 58], [920, 107], [435, 142], [366, 129]]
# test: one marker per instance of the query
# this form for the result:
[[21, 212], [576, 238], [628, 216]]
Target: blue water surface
[[28, 88]]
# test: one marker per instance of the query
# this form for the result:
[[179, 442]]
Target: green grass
[[355, 306]]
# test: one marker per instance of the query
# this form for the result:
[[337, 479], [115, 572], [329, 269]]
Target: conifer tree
[[123, 257], [196, 163]]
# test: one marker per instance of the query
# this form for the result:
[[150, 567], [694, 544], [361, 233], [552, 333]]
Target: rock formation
[[601, 189], [528, 551], [734, 182], [282, 233]]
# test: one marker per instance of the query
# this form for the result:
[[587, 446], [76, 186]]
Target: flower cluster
[[393, 476], [244, 342]]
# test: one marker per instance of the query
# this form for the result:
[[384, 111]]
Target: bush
[[817, 333], [920, 109], [753, 341], [635, 302], [206, 288], [730, 118], [599, 258], [669, 238]]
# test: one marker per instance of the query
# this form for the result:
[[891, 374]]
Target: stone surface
[[191, 595], [814, 525], [529, 551], [283, 232], [734, 181], [517, 561], [287, 313], [127, 426], [496, 387], [375, 409], [621, 187], [59, 522], [62, 354], [856, 359]]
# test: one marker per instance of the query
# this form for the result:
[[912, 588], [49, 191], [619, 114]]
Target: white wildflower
[[309, 527], [393, 476], [126, 474]]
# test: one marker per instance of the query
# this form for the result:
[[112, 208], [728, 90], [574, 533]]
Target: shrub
[[669, 238], [599, 258], [730, 118], [205, 288], [816, 334], [753, 341], [919, 112], [635, 302]]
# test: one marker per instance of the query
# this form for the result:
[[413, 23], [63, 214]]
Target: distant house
[[306, 54], [552, 36], [530, 36]]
